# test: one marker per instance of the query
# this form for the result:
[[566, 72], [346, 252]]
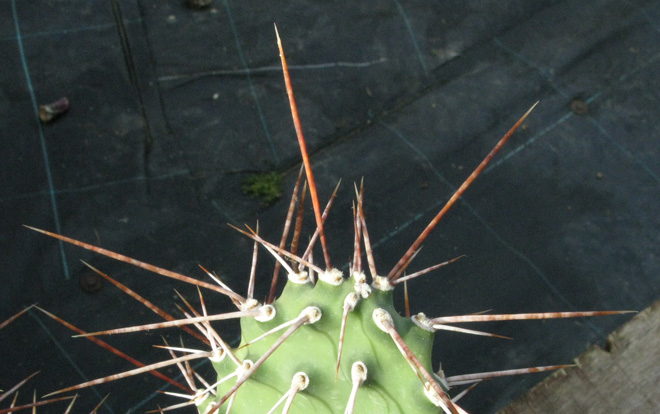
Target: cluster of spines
[[300, 270]]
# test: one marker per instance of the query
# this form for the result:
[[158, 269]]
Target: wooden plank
[[624, 378]]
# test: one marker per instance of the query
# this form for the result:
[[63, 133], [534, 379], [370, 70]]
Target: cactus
[[329, 343]]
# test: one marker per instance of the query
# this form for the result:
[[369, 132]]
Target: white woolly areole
[[381, 283], [359, 277], [382, 319], [351, 301], [247, 364], [358, 372], [333, 277], [249, 304], [217, 355], [266, 313], [423, 322], [300, 381], [299, 278], [363, 289], [313, 314]]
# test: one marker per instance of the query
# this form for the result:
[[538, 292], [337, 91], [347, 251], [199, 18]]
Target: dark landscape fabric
[[171, 110]]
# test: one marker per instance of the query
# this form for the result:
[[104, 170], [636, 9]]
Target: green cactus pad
[[313, 349]]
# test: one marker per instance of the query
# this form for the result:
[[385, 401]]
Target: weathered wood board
[[623, 378]]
